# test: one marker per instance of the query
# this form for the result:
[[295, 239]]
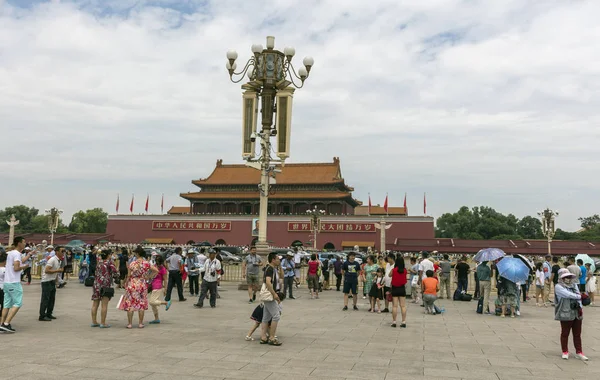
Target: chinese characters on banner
[[196, 226], [332, 227]]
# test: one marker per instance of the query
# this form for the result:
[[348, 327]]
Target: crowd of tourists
[[148, 282]]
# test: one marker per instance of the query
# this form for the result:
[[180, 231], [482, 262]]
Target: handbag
[[388, 296], [265, 295], [107, 292], [415, 281]]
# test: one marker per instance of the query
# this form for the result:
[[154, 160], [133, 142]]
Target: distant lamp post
[[315, 223], [548, 226], [53, 219], [273, 79]]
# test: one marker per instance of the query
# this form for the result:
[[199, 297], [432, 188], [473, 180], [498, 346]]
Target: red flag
[[424, 203], [117, 203], [369, 204], [147, 201], [385, 204], [131, 205], [162, 203], [404, 202]]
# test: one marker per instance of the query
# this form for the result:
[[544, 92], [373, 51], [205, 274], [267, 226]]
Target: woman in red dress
[[136, 287]]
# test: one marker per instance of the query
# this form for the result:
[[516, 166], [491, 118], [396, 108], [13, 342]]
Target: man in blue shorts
[[350, 270], [13, 291]]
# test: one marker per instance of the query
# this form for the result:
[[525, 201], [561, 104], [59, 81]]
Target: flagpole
[[387, 206]]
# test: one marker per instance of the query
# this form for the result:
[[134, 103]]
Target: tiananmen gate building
[[224, 210]]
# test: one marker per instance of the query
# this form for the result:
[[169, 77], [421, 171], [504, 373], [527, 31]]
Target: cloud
[[475, 102]]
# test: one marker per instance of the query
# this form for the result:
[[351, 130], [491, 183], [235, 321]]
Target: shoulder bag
[[265, 295]]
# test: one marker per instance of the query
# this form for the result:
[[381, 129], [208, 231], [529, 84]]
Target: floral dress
[[369, 277], [103, 278], [136, 289]]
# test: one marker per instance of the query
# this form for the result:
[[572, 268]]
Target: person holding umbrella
[[511, 271], [569, 311]]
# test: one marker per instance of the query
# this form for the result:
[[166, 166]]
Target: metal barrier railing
[[233, 273]]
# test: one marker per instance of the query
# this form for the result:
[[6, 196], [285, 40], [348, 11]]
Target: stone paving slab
[[320, 341]]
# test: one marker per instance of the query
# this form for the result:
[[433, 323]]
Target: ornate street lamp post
[[53, 219], [315, 223], [272, 79], [548, 227]]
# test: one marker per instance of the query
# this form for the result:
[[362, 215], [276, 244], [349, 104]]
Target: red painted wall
[[134, 229]]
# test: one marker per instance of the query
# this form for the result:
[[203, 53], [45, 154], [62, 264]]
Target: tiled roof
[[177, 210], [305, 173], [378, 210], [222, 195]]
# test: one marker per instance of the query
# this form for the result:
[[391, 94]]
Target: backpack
[[457, 295], [466, 297]]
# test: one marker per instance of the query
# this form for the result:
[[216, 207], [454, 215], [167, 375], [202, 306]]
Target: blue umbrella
[[513, 269], [489, 254]]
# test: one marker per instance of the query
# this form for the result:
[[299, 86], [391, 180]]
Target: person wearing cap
[[568, 310], [212, 273], [288, 274], [48, 282]]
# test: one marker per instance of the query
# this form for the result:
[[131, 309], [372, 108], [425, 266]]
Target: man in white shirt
[[13, 291], [201, 261], [52, 268], [212, 273], [426, 265], [297, 264]]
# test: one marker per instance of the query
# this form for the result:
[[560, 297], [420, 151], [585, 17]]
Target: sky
[[474, 102]]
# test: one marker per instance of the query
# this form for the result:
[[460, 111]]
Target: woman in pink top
[[159, 289]]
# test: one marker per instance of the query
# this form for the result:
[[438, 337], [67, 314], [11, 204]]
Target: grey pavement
[[320, 341]]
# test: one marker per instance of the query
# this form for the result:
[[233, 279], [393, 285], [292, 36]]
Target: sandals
[[274, 342], [94, 325], [128, 326], [249, 338], [141, 325], [154, 322], [104, 326], [263, 341]]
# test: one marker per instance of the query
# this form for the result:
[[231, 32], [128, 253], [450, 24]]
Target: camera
[[213, 273], [253, 137]]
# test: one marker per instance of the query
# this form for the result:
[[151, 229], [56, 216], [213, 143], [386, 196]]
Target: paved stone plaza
[[319, 342]]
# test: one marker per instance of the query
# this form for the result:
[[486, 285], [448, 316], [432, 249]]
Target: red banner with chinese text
[[195, 226], [332, 227]]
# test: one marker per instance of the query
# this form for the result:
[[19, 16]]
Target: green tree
[[476, 223], [24, 215], [89, 221], [530, 228], [590, 222]]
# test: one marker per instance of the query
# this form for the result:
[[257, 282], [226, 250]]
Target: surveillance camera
[[273, 132], [253, 137]]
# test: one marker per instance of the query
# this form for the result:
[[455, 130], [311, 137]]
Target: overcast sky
[[478, 102]]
